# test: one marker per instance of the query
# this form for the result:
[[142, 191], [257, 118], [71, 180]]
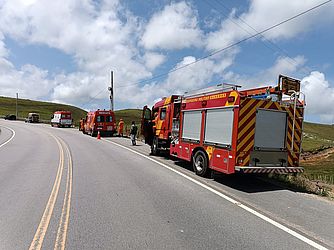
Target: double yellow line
[[60, 242]]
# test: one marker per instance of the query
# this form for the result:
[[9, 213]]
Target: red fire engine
[[102, 121], [226, 130]]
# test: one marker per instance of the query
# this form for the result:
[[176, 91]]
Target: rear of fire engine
[[99, 121], [226, 130]]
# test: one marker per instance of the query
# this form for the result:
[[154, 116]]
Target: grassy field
[[317, 137], [45, 109], [129, 115]]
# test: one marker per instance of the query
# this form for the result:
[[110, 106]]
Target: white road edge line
[[11, 138], [248, 209]]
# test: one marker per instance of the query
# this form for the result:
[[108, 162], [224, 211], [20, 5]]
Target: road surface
[[62, 189]]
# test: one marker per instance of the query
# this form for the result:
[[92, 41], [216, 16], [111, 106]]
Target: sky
[[63, 51]]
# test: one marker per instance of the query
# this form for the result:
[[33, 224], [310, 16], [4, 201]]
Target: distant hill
[[45, 109]]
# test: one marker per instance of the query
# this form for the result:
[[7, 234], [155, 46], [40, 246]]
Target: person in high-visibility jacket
[[120, 127]]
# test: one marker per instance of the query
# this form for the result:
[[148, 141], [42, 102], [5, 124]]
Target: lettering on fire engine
[[206, 98]]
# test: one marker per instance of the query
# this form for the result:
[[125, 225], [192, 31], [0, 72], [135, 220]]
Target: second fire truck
[[99, 121], [227, 130]]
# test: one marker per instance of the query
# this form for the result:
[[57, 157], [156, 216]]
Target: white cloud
[[103, 36], [263, 14], [319, 96], [195, 76], [175, 27], [100, 37], [318, 91], [282, 66], [3, 49], [153, 60], [29, 81]]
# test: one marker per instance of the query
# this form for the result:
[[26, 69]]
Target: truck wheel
[[201, 164], [155, 146]]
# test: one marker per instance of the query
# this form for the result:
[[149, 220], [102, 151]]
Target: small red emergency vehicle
[[226, 130], [102, 121]]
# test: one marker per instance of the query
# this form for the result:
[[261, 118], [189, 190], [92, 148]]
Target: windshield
[[100, 118], [109, 118], [66, 116]]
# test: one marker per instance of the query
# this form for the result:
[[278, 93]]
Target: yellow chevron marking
[[246, 159], [243, 109], [277, 106], [295, 134], [251, 123], [295, 145], [244, 140], [291, 115], [249, 146], [268, 105], [252, 111]]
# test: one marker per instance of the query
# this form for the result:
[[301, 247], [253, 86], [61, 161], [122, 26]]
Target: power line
[[229, 46], [219, 50], [291, 60]]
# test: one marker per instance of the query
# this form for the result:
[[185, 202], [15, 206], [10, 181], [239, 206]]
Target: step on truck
[[62, 119], [102, 121], [227, 130]]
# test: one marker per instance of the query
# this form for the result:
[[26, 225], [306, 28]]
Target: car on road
[[10, 117]]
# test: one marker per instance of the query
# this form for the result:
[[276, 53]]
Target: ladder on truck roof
[[212, 90]]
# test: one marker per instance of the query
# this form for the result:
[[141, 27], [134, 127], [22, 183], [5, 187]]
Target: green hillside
[[129, 115], [317, 136], [45, 109]]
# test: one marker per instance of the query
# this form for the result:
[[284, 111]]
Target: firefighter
[[120, 127], [133, 133]]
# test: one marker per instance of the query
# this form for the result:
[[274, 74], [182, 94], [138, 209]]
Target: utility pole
[[17, 97], [111, 89]]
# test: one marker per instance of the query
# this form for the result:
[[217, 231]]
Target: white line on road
[[13, 135], [248, 209]]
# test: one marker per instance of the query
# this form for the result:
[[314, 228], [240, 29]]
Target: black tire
[[155, 146], [201, 164]]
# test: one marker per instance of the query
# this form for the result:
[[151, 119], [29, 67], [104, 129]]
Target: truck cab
[[159, 123]]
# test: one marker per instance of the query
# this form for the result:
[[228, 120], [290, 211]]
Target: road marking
[[11, 138], [37, 241], [248, 209], [65, 213]]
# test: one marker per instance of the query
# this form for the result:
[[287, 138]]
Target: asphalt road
[[60, 188]]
